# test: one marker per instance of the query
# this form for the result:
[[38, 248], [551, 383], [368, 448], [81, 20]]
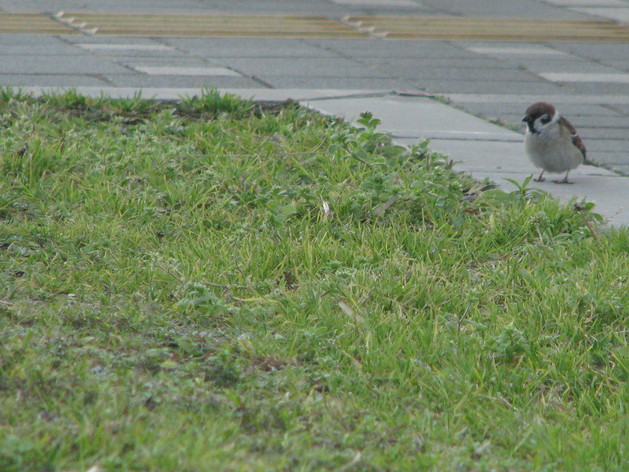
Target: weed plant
[[217, 285]]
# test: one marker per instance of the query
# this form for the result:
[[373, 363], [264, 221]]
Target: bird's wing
[[576, 140]]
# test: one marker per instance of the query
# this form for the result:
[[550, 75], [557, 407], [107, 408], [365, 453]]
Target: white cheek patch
[[540, 126]]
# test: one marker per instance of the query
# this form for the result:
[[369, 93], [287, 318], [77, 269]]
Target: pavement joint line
[[574, 3], [528, 99], [361, 95], [381, 3], [125, 47], [191, 71], [462, 137], [620, 78], [530, 51], [175, 93]]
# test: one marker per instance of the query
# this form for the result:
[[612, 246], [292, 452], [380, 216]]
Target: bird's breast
[[550, 152]]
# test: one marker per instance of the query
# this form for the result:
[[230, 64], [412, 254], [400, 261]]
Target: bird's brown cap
[[540, 108]]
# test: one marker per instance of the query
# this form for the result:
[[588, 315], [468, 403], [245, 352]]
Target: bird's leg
[[540, 178], [564, 180]]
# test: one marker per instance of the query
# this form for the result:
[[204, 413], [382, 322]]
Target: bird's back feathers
[[576, 140]]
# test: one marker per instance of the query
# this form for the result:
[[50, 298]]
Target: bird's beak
[[527, 119]]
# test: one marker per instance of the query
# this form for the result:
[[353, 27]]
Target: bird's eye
[[545, 119]]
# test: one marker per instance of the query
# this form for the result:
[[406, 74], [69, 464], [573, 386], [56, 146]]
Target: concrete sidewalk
[[340, 61]]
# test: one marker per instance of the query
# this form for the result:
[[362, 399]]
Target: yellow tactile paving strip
[[291, 26], [488, 29], [283, 26], [32, 23]]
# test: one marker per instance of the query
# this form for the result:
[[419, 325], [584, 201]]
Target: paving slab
[[616, 50], [583, 123], [32, 50], [147, 82], [391, 48], [595, 88], [178, 6], [512, 113], [250, 47], [512, 49], [381, 3], [620, 65], [603, 133], [122, 52], [614, 77], [71, 64], [446, 87], [24, 81], [572, 65], [173, 60], [594, 112], [595, 122], [607, 145], [93, 39], [301, 82], [503, 9], [587, 3], [616, 14], [419, 72], [186, 71], [613, 159], [471, 62], [304, 67], [126, 48], [566, 98], [102, 5]]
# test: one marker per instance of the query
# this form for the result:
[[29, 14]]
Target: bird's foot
[[539, 179], [564, 180]]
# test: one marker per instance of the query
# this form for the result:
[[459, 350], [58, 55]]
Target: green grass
[[216, 285]]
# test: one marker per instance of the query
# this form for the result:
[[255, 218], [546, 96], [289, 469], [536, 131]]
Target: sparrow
[[551, 141]]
